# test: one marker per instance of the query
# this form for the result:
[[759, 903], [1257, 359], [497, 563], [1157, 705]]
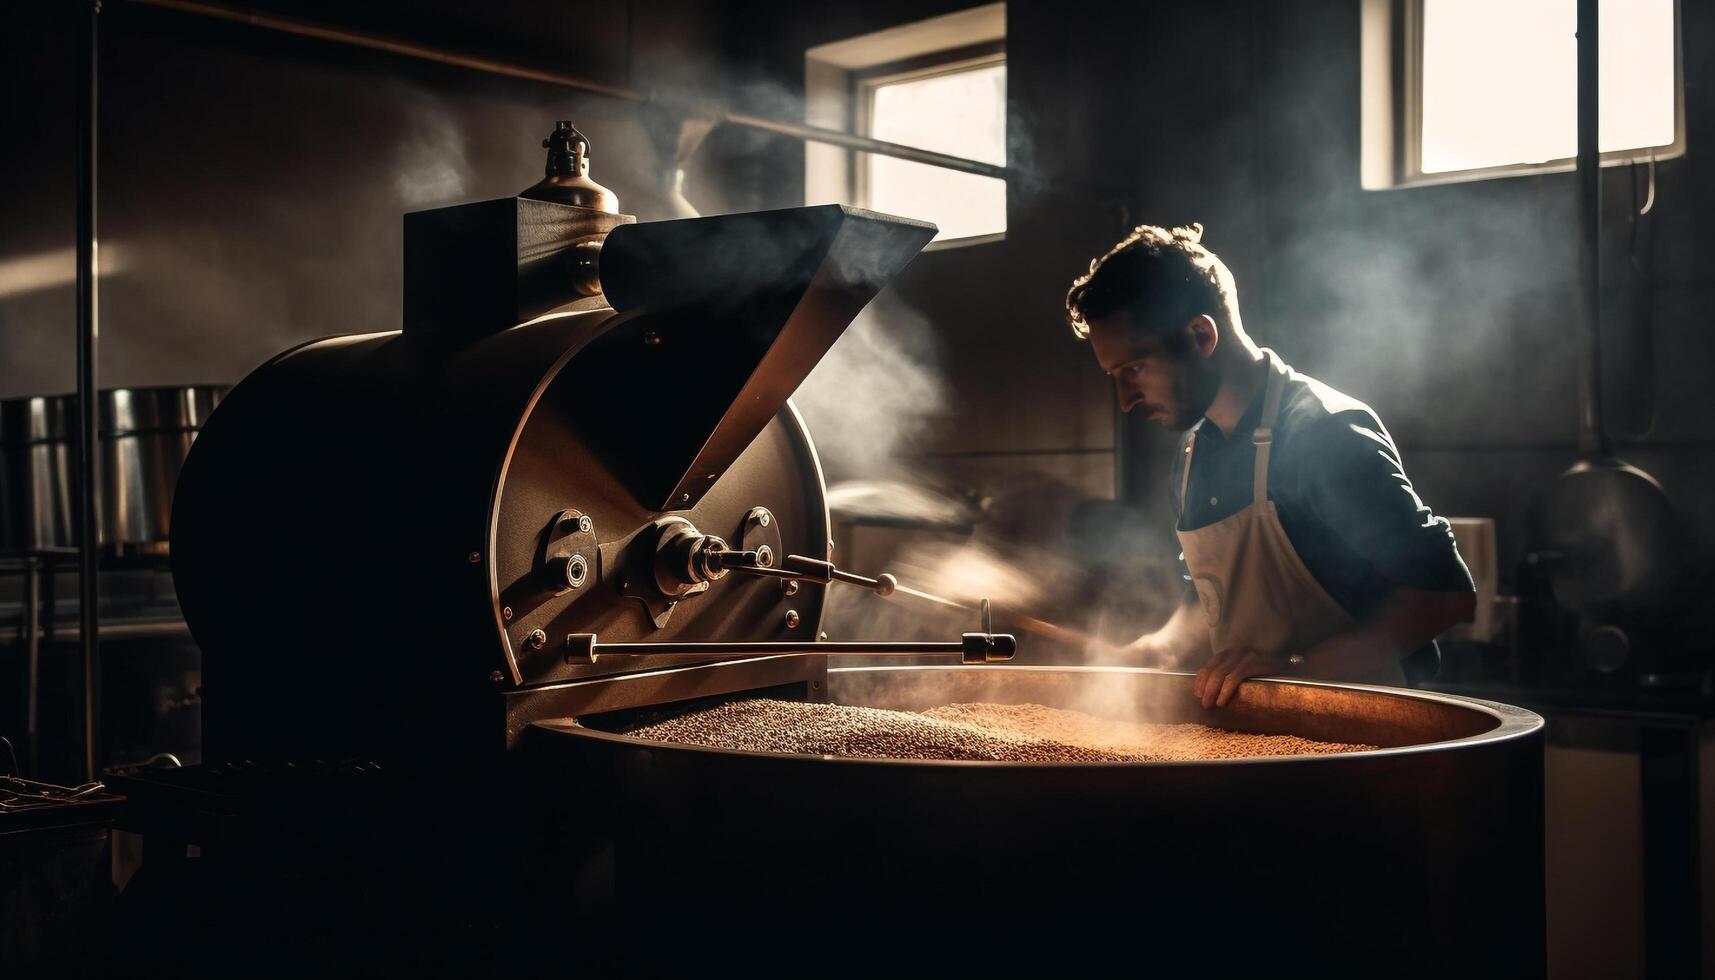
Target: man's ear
[[1205, 334]]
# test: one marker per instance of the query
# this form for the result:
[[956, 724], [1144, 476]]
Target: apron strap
[[1185, 474], [1264, 437]]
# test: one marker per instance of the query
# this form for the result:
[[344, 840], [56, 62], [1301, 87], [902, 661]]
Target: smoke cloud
[[430, 165], [876, 394]]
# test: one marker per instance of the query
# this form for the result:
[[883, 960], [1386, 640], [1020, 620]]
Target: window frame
[[860, 100], [1399, 24]]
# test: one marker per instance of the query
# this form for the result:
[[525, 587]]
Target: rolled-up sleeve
[[1356, 486]]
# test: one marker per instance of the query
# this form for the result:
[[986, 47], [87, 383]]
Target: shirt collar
[[1248, 422]]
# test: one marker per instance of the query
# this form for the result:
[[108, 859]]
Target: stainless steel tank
[[36, 436], [144, 435]]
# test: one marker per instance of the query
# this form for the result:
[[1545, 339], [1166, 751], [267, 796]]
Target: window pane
[[961, 113], [1500, 87]]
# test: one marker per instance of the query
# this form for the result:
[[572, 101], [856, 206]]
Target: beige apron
[[1254, 588]]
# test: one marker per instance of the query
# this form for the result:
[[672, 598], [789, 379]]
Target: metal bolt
[[577, 569], [762, 518], [474, 557], [506, 613], [765, 556], [824, 636], [792, 619], [536, 640], [684, 498], [585, 524], [496, 677], [790, 586]]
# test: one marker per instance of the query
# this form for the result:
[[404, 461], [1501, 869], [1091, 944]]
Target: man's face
[[1174, 389]]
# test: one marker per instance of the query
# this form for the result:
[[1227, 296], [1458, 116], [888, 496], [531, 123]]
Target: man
[[1309, 551]]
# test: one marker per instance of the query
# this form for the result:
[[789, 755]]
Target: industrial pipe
[[88, 335], [1592, 434], [423, 52]]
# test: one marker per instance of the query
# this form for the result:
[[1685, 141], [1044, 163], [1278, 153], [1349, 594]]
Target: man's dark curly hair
[[1161, 276]]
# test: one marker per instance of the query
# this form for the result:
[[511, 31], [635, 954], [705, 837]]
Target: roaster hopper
[[573, 488]]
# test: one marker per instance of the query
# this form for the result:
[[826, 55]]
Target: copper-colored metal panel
[[1422, 858]]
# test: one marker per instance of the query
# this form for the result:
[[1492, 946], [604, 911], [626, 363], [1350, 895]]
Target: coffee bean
[[985, 732]]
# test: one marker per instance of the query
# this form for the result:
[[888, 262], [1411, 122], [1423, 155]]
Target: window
[[939, 85], [1467, 89], [957, 108]]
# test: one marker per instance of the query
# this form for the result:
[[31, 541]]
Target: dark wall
[[251, 184]]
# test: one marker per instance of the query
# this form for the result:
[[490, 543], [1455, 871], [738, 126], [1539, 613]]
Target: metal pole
[[32, 662], [411, 49], [1592, 437], [88, 334]]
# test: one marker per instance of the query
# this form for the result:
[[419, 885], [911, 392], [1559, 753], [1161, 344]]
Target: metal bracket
[[571, 555], [637, 568], [760, 533]]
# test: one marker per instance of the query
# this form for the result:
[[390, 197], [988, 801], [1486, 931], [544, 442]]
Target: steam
[[876, 395], [898, 502], [430, 163]]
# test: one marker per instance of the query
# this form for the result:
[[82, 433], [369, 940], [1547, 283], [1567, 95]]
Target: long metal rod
[[88, 337], [1592, 436], [492, 66], [892, 648]]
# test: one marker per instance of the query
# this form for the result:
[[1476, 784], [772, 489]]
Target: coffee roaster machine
[[435, 572]]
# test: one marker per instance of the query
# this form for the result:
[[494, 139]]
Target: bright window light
[[1498, 81], [959, 111]]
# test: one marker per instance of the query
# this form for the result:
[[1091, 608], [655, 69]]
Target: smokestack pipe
[[1592, 436]]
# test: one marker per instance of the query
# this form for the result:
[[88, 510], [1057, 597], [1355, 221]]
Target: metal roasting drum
[[572, 489]]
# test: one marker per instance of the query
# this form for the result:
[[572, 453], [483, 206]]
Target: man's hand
[[1182, 640], [1225, 671]]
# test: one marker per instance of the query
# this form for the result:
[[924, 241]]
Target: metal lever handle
[[823, 572], [808, 570]]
